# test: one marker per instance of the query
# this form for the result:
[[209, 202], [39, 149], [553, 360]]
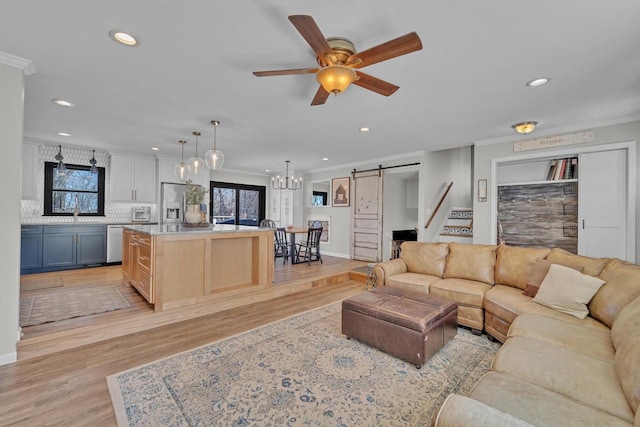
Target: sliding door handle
[[583, 224]]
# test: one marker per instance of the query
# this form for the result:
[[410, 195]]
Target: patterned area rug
[[60, 304], [28, 283], [298, 371]]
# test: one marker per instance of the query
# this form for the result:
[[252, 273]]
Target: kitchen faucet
[[76, 210]]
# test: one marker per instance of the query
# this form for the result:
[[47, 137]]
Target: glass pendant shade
[[335, 78], [181, 170], [214, 158], [195, 164], [93, 162], [61, 168]]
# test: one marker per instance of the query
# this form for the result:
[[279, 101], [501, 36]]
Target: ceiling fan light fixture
[[214, 158], [525, 127], [336, 78]]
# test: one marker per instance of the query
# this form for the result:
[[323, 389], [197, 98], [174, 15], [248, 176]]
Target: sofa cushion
[[457, 410], [538, 272], [415, 281], [572, 336], [592, 266], [425, 258], [622, 287], [586, 379], [463, 291], [513, 264], [626, 339], [537, 405], [471, 262], [506, 303], [568, 291]]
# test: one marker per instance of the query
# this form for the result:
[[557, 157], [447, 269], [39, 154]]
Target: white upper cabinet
[[29, 171], [132, 179]]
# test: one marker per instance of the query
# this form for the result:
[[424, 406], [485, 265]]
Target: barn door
[[367, 216]]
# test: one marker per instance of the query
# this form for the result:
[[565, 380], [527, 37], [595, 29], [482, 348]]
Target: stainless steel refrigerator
[[172, 203]]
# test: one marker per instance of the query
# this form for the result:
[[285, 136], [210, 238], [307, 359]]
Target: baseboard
[[337, 255], [5, 359]]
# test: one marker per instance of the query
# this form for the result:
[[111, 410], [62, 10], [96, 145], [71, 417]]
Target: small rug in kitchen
[[64, 303], [297, 371]]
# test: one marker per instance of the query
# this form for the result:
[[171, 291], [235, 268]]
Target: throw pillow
[[538, 272], [567, 290]]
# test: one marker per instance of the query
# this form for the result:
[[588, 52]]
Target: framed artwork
[[482, 190], [340, 191], [326, 226]]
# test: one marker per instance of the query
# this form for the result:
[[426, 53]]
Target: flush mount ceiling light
[[196, 164], [287, 182], [214, 158], [61, 168], [538, 82], [181, 170], [524, 127], [93, 162], [123, 38], [62, 102]]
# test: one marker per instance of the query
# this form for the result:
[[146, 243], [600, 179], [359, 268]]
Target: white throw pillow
[[567, 290]]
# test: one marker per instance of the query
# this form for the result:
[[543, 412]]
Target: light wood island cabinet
[[174, 266]]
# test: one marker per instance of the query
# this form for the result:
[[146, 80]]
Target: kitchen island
[[174, 265]]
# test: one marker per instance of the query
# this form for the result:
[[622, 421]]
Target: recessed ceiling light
[[62, 102], [63, 134], [267, 170], [325, 158], [124, 38], [364, 129], [538, 82], [155, 148]]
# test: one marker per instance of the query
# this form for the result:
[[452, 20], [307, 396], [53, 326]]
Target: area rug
[[298, 371], [30, 284], [59, 304]]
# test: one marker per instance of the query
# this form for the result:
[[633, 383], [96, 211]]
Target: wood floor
[[66, 385]]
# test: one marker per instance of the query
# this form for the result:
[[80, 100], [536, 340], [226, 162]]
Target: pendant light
[[181, 170], [93, 162], [287, 182], [214, 157], [61, 168], [196, 164]]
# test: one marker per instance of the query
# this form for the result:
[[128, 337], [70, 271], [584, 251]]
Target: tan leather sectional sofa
[[554, 368]]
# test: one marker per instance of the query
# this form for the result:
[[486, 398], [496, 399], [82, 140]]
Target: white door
[[367, 216], [602, 204]]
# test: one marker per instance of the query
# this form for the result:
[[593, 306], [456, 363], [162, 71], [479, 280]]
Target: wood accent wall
[[539, 215]]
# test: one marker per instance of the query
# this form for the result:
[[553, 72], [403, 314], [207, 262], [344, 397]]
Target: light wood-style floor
[[68, 386]]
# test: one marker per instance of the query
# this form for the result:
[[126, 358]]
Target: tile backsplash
[[32, 210]]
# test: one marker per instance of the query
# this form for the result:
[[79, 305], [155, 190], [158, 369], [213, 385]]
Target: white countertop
[[155, 230]]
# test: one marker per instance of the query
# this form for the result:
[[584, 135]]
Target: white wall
[[11, 128], [484, 154]]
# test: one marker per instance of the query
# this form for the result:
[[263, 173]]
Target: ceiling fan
[[339, 60]]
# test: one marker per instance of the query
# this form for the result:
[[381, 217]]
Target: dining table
[[292, 241]]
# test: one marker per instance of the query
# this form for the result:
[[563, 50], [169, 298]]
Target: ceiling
[[195, 60]]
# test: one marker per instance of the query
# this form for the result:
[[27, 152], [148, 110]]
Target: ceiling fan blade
[[312, 34], [375, 84], [391, 49], [285, 72], [321, 97]]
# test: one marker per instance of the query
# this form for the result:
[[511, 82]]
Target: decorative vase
[[192, 216]]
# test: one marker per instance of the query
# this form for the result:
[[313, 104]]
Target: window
[[319, 198], [77, 188], [237, 203]]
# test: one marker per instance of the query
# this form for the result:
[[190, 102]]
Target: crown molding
[[559, 130], [17, 62]]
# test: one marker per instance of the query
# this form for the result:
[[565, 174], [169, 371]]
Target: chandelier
[[214, 158], [286, 182]]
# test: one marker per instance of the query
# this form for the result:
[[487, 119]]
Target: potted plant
[[194, 196]]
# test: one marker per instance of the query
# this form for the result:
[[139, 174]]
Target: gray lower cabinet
[[31, 247], [65, 247]]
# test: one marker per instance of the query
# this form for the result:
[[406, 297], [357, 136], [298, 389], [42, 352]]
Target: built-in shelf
[[557, 181]]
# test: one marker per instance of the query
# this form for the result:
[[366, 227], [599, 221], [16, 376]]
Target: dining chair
[[281, 245], [267, 223], [309, 250]]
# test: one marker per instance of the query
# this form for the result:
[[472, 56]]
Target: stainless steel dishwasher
[[114, 243]]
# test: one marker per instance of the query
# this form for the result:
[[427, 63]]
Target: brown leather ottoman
[[407, 324]]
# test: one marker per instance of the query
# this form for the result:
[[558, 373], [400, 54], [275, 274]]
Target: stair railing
[[435, 211]]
